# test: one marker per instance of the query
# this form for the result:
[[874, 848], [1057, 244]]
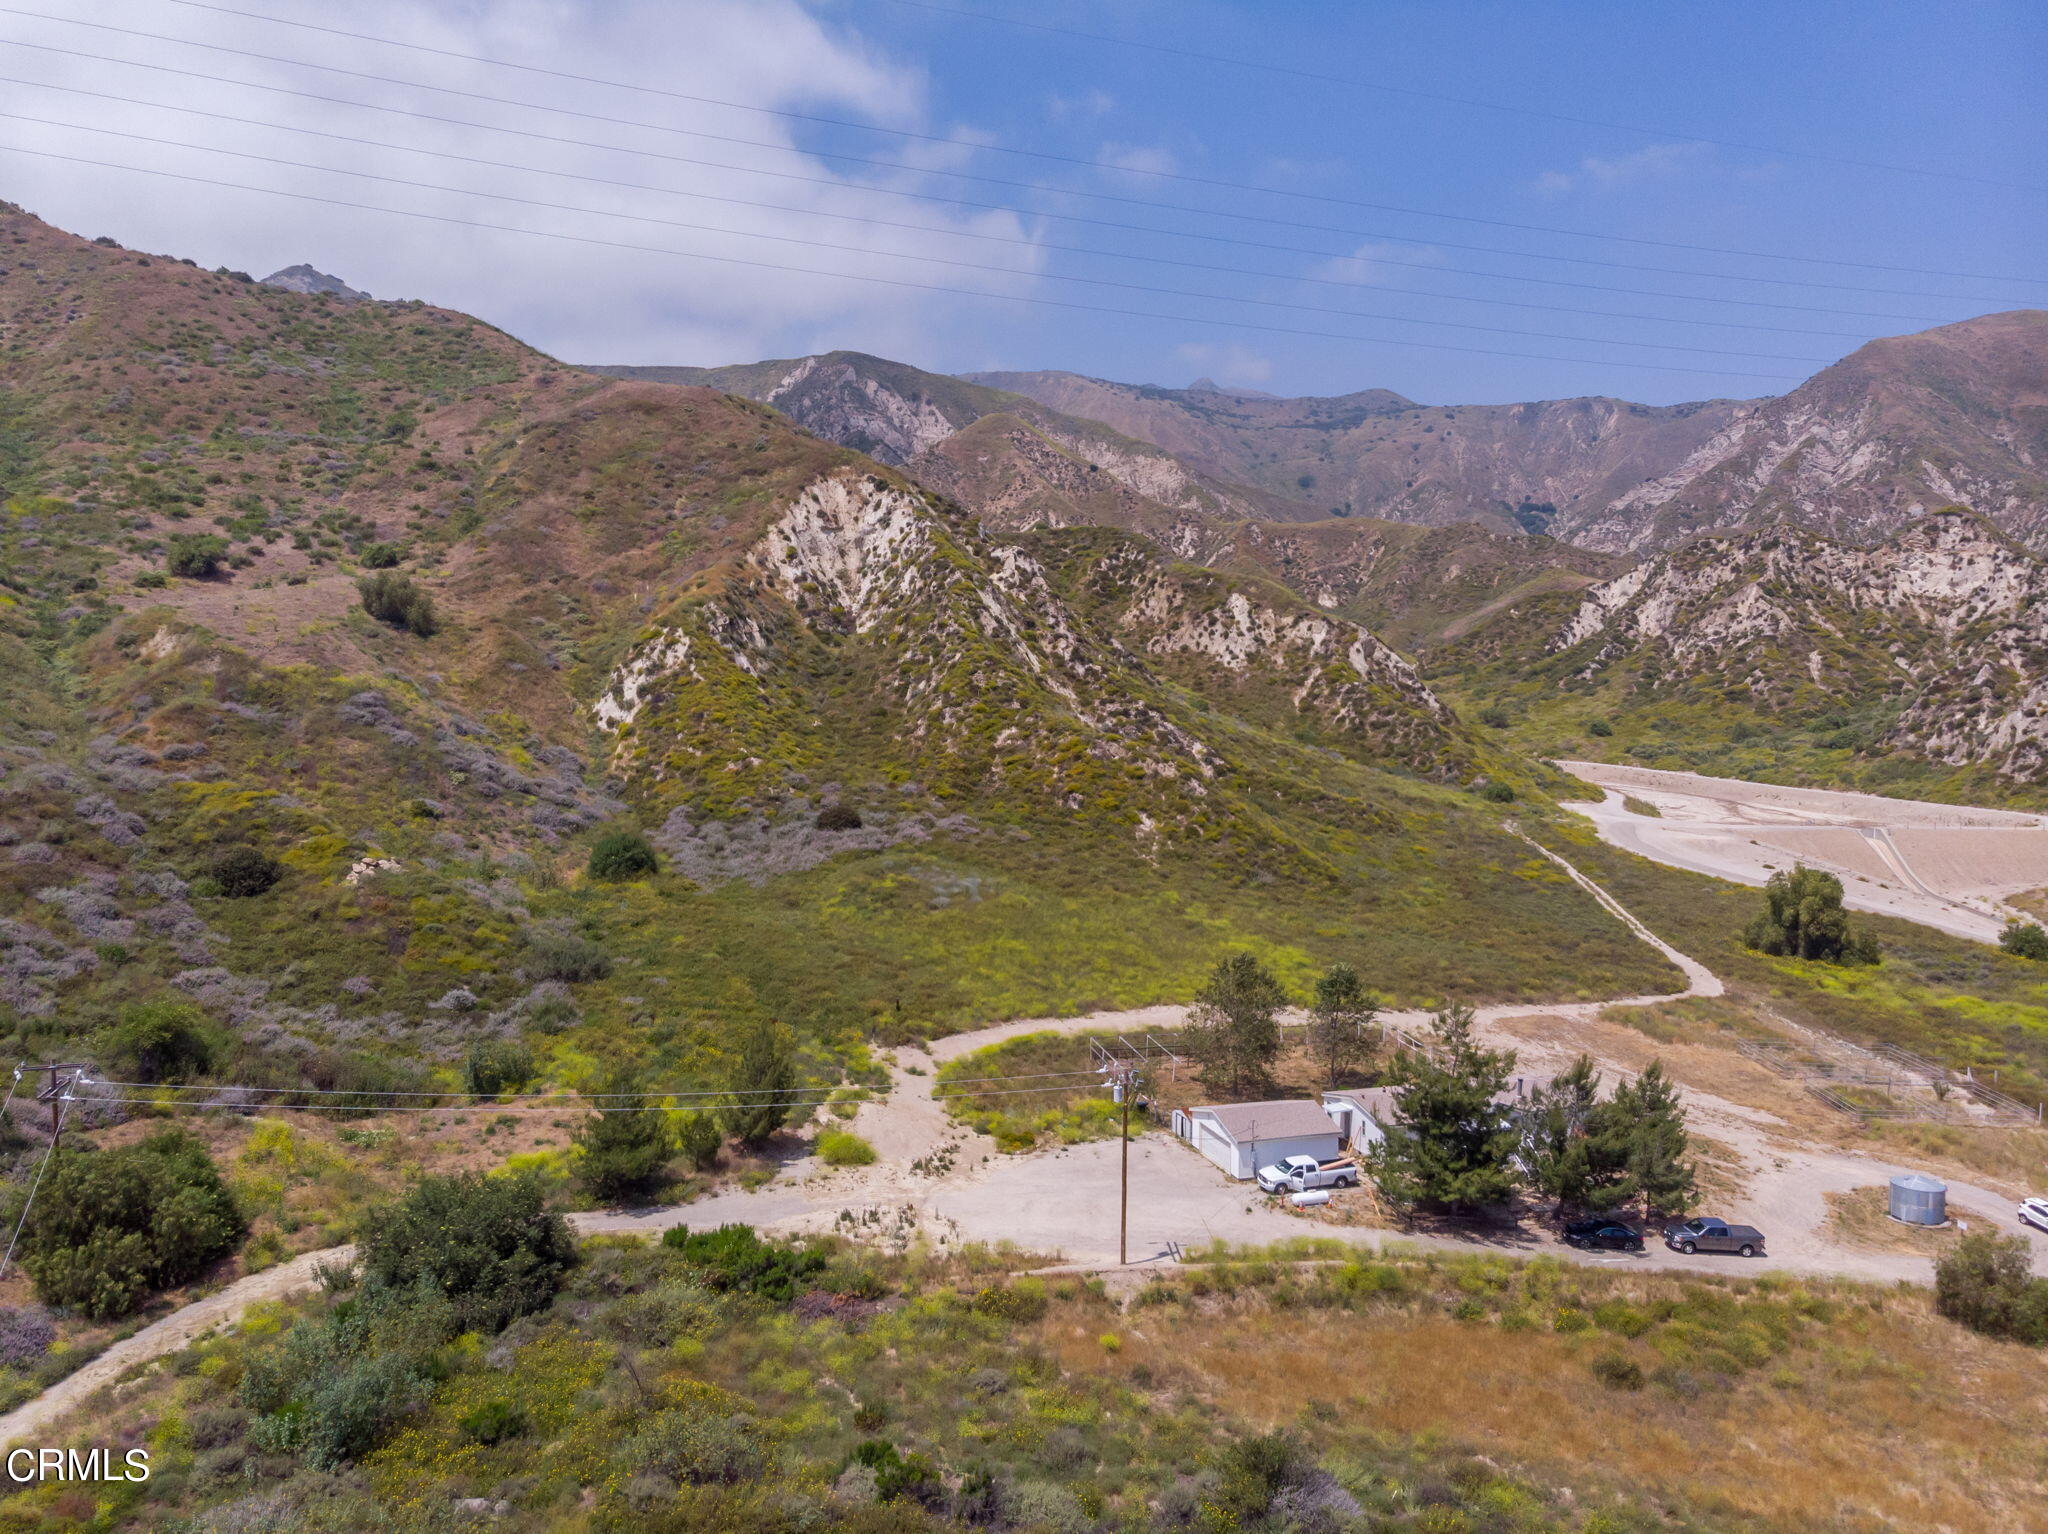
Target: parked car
[[1708, 1234], [1611, 1235], [1297, 1174], [2034, 1211]]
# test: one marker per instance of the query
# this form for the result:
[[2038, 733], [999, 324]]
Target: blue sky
[[821, 250]]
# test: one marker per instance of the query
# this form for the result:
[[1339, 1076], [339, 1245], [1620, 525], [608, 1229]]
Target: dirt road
[[934, 1176], [1948, 866]]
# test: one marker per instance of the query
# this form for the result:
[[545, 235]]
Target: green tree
[[1453, 1145], [1803, 918], [1341, 1030], [762, 1080], [625, 1146], [1646, 1123], [109, 1226], [2024, 940], [622, 855], [1566, 1152], [1233, 1029], [487, 1244], [161, 1041]]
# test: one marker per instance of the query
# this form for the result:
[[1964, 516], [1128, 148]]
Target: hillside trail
[[936, 1172]]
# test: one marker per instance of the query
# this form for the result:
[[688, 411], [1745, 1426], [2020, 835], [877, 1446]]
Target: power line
[[218, 1104], [1032, 186], [921, 229], [29, 1202], [1353, 82], [269, 58], [958, 143], [896, 282], [900, 255]]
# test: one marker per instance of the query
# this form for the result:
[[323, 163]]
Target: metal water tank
[[1919, 1200]]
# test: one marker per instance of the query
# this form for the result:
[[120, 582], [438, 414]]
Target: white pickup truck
[[1297, 1174]]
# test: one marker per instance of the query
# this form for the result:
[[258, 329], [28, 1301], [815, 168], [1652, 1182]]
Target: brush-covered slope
[[1920, 661], [1374, 453], [1901, 427], [661, 608]]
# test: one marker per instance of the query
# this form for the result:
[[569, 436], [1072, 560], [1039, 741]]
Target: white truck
[[1298, 1174]]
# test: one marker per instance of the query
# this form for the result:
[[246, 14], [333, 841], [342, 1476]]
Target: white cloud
[[1080, 106], [582, 301], [1370, 263], [1145, 160], [1225, 362], [1655, 162]]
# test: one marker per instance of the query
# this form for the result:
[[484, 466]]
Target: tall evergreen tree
[[1233, 1029], [625, 1145], [1568, 1152], [763, 1078], [1453, 1146], [1341, 1018], [1649, 1122]]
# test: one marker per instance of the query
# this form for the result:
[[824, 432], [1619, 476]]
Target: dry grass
[[2009, 1161], [1954, 1421], [1861, 1218]]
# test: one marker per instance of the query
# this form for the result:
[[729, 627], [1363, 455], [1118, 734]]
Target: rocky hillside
[[1903, 426], [614, 604], [1943, 626], [1373, 453]]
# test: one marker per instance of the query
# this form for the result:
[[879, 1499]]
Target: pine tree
[[763, 1078], [1340, 1029], [625, 1146], [1233, 1030], [1649, 1120], [1568, 1151], [1453, 1146]]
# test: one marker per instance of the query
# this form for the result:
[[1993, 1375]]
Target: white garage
[[1242, 1137]]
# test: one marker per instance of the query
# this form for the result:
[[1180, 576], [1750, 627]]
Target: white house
[[1242, 1137], [1359, 1114]]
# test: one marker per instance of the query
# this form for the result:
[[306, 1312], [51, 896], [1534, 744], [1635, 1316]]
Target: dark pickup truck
[[1711, 1235]]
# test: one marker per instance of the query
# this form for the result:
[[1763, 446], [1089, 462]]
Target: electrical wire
[[959, 143], [223, 1104], [926, 230], [63, 1109], [897, 282], [1031, 186], [1353, 82], [902, 255]]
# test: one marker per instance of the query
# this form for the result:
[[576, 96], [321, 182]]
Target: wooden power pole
[[1124, 1079]]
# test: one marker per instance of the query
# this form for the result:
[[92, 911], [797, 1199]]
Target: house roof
[[1376, 1103], [1245, 1122]]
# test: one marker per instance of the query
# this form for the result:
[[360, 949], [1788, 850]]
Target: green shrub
[[196, 556], [152, 580], [838, 817], [1618, 1371], [381, 556], [1493, 791], [1022, 1300], [160, 1041], [392, 598], [734, 1257], [486, 1243], [243, 871], [1599, 727], [838, 1147], [1494, 717], [622, 855], [494, 1422], [496, 1065], [565, 956], [1803, 918], [899, 1476], [1986, 1282], [107, 1227], [700, 1137]]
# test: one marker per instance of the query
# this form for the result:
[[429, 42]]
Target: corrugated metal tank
[[1919, 1200]]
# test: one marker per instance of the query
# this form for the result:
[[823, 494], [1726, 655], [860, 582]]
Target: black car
[[1611, 1235]]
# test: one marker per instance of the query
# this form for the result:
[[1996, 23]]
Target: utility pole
[[60, 1078], [1123, 1079]]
